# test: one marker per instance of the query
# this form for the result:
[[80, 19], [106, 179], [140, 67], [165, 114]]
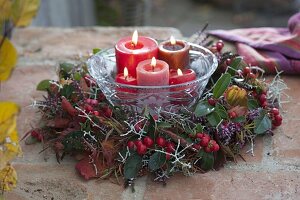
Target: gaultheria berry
[[275, 111], [170, 146], [142, 149], [204, 141], [130, 144], [160, 141], [148, 141]]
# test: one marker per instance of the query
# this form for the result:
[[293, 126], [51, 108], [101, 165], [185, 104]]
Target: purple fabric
[[270, 47]]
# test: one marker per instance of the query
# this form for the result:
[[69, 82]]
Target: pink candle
[[152, 72], [132, 50]]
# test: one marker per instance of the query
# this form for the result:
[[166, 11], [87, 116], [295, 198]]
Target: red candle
[[130, 51], [178, 76], [124, 78], [175, 53], [152, 72]]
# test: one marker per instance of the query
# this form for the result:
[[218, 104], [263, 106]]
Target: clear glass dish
[[102, 67]]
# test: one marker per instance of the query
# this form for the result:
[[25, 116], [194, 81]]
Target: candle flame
[[125, 72], [134, 38], [179, 72], [153, 62], [172, 40]]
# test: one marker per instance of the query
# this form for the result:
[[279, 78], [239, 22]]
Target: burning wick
[[134, 39], [172, 40], [179, 72], [125, 73], [153, 63]]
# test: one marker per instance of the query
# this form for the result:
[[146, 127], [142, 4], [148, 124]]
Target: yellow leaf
[[8, 59], [9, 141], [23, 11], [8, 114], [5, 8], [8, 178]]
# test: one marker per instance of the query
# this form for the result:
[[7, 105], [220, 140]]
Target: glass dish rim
[[136, 87]]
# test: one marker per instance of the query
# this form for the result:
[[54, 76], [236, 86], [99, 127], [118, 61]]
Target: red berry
[[251, 75], [262, 98], [264, 104], [215, 147], [96, 113], [197, 146], [138, 143], [275, 111], [108, 112], [219, 45], [101, 97], [34, 133], [228, 61], [94, 102], [208, 149], [278, 118], [168, 156], [138, 127], [142, 149], [160, 141], [246, 71], [155, 117], [232, 114], [204, 141], [88, 101], [211, 101], [200, 135], [277, 123], [148, 141], [88, 108], [130, 144], [170, 147]]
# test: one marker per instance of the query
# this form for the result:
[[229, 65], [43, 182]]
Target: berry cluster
[[204, 141], [141, 146], [36, 135], [217, 47], [276, 117], [91, 106], [247, 73], [262, 98]]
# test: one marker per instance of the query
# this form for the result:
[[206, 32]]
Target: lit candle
[[178, 76], [125, 78], [132, 50], [152, 72], [175, 53]]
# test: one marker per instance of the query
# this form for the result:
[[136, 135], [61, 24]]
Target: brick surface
[[273, 173], [228, 184]]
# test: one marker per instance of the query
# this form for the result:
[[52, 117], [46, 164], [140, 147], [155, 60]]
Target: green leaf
[[156, 161], [96, 50], [163, 125], [66, 67], [44, 85], [203, 108], [207, 161], [77, 76], [234, 65], [67, 91], [239, 119], [214, 119], [73, 141], [132, 166], [262, 124], [198, 128], [221, 110], [252, 104], [221, 85]]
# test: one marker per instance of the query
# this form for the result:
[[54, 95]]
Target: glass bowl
[[102, 67]]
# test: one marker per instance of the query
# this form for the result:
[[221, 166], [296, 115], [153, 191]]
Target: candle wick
[[152, 68]]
